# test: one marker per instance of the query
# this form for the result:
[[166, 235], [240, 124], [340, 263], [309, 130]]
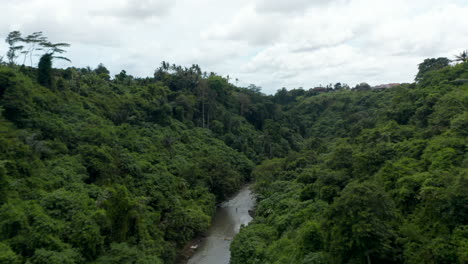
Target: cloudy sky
[[270, 43]]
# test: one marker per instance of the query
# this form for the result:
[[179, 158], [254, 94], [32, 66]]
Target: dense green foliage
[[429, 65], [95, 169], [383, 178], [105, 171]]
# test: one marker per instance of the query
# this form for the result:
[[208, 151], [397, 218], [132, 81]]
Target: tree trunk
[[203, 114]]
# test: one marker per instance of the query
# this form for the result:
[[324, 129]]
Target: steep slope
[[98, 171], [383, 178]]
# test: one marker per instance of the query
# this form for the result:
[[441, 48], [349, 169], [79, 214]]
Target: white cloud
[[271, 43], [248, 26], [136, 9], [290, 6]]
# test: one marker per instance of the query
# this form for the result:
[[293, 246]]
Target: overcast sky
[[270, 43]]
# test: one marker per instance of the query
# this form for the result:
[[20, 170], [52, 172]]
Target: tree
[[122, 253], [102, 71], [7, 255], [254, 88], [202, 93], [362, 87], [33, 40], [44, 73], [338, 86], [431, 65], [55, 48], [12, 38], [282, 96], [121, 77], [244, 101], [120, 210], [359, 224], [463, 56]]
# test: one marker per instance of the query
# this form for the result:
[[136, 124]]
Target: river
[[230, 215]]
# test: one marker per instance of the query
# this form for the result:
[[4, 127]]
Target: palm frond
[[61, 58]]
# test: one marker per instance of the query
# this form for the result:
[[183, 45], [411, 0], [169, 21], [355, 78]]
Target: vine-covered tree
[[44, 71]]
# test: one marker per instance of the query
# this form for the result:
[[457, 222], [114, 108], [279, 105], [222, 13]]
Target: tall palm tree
[[463, 57]]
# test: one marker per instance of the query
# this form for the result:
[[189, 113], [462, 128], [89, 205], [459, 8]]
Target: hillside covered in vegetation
[[382, 178], [95, 169]]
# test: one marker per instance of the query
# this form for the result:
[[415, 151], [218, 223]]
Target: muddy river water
[[214, 249]]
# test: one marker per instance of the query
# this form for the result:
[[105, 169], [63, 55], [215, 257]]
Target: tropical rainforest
[[119, 169]]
